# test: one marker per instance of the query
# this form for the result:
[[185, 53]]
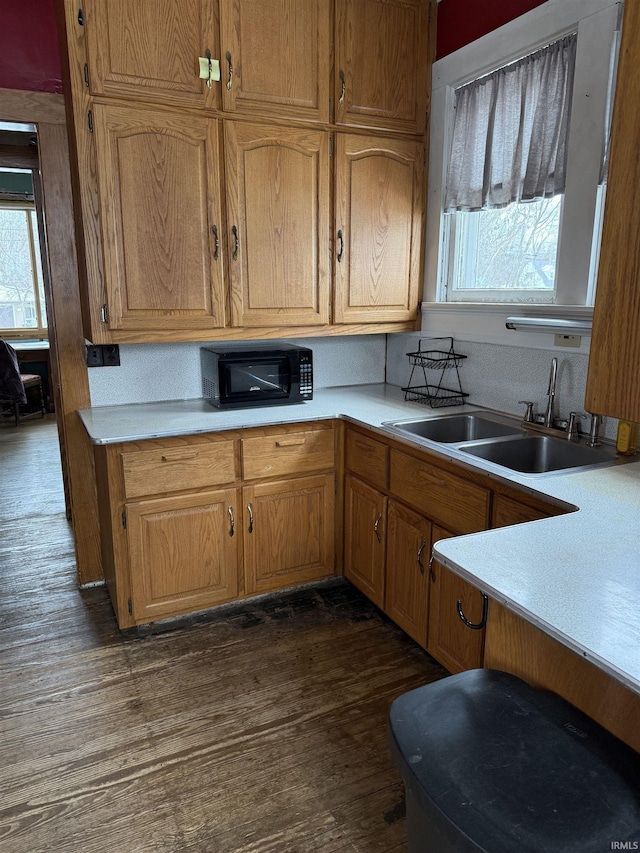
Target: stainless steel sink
[[539, 454], [452, 429], [501, 440]]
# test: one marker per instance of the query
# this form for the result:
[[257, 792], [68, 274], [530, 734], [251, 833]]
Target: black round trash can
[[492, 764]]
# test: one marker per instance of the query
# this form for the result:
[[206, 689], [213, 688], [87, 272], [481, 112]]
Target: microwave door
[[257, 382], [260, 379]]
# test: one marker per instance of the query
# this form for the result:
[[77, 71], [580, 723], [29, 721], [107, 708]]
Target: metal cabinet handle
[[375, 528], [432, 574], [216, 242], [250, 508], [343, 88], [419, 555], [232, 523], [341, 250], [178, 455], [476, 626], [230, 80], [236, 242]]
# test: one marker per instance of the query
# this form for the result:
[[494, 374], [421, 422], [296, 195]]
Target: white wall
[[150, 372]]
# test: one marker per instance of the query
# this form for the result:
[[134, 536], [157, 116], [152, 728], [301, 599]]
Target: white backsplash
[[493, 375], [150, 372]]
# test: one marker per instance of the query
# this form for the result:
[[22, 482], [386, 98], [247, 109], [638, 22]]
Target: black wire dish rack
[[437, 356]]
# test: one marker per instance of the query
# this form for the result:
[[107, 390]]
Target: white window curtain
[[510, 132]]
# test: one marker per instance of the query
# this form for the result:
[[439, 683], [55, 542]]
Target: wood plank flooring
[[257, 729]]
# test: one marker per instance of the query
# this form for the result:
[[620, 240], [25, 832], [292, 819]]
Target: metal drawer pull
[[432, 574], [180, 456], [375, 527], [341, 250], [419, 557], [343, 87], [231, 521], [485, 609], [289, 442], [236, 242], [250, 508], [230, 80], [216, 242]]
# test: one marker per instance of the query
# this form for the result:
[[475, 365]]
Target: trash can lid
[[516, 768]]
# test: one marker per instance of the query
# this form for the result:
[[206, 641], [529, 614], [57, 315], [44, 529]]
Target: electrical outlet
[[567, 340], [103, 355], [94, 356], [110, 355]]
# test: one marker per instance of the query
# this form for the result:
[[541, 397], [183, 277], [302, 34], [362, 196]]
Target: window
[[505, 255], [22, 305], [542, 247]]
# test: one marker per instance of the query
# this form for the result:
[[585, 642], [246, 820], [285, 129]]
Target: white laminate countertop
[[575, 576]]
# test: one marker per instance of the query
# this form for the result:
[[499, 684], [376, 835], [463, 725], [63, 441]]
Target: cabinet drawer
[[173, 469], [507, 511], [368, 458], [449, 500], [287, 453]]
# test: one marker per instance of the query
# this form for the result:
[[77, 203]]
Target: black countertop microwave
[[272, 375]]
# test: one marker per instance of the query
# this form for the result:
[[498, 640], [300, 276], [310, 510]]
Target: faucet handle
[[594, 439], [529, 413], [572, 428]]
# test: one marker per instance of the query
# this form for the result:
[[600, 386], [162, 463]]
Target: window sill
[[486, 322]]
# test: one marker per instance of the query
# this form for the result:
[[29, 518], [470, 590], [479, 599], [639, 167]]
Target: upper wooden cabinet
[[613, 382], [189, 232], [382, 64], [378, 229], [275, 57], [140, 49], [159, 192], [278, 204]]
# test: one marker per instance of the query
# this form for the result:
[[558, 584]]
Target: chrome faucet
[[551, 392]]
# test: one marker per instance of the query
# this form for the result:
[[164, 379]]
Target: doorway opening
[[24, 273]]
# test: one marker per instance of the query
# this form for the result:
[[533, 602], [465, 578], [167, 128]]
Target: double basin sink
[[502, 441]]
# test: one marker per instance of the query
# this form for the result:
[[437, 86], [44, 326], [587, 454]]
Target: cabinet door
[[278, 212], [288, 532], [382, 63], [140, 49], [450, 641], [365, 539], [407, 578], [183, 553], [613, 380], [160, 213], [276, 57], [378, 229]]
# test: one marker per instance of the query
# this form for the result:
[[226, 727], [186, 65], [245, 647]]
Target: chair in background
[[14, 385]]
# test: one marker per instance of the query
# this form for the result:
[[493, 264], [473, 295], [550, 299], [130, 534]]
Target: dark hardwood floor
[[257, 729]]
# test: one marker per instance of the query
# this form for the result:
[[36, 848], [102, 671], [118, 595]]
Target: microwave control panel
[[306, 375]]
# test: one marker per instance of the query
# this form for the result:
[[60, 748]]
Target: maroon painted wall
[[29, 56], [463, 21]]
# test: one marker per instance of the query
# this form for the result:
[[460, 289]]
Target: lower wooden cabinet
[[365, 538], [407, 570], [395, 502], [288, 532], [185, 553], [194, 521], [450, 641]]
